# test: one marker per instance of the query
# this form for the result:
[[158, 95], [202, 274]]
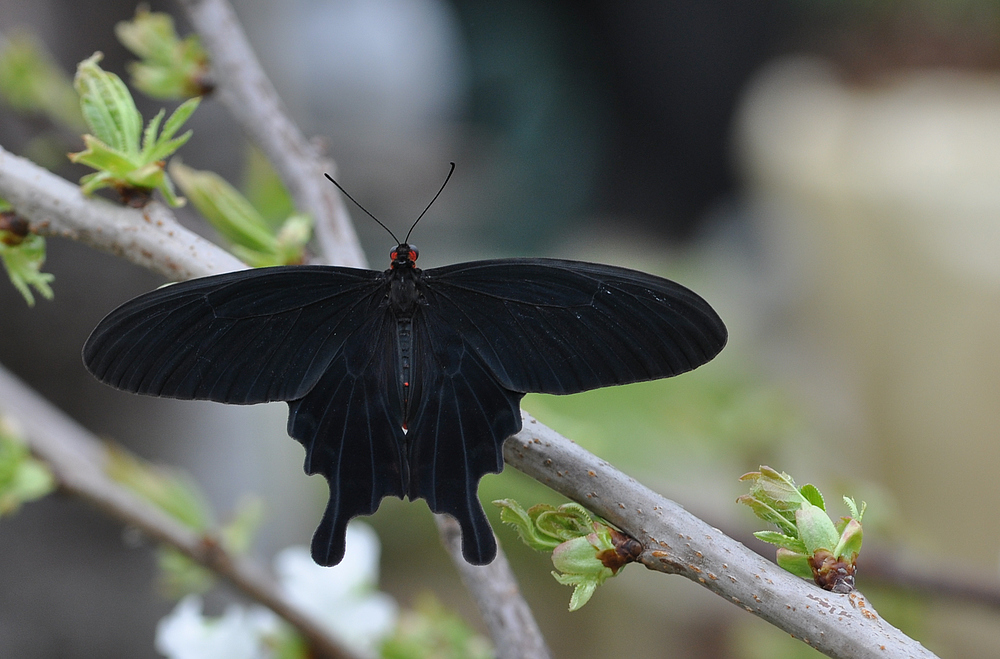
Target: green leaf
[[180, 576], [429, 631], [849, 545], [293, 236], [179, 117], [583, 588], [148, 35], [579, 545], [170, 67], [513, 514], [544, 527], [769, 514], [794, 562], [237, 536], [781, 540], [252, 238], [853, 507], [166, 188], [101, 156], [264, 190], [22, 477], [31, 81], [568, 521], [149, 134], [23, 258], [812, 494], [162, 148], [777, 489], [225, 208], [816, 529], [169, 489], [811, 539], [580, 565], [107, 106]]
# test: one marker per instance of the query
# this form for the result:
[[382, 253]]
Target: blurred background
[[826, 174]]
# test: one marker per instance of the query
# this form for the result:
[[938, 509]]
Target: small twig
[[250, 97], [677, 542], [150, 237], [957, 582], [512, 627], [76, 459], [892, 568]]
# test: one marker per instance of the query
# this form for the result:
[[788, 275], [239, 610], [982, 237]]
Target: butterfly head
[[403, 256]]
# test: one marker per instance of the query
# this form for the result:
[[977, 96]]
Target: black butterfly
[[404, 382]]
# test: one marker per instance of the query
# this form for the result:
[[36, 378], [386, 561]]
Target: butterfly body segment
[[404, 382]]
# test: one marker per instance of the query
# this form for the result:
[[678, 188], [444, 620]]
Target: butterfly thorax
[[403, 276], [404, 291]]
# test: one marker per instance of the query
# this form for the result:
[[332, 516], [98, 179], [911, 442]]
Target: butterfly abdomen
[[404, 347]]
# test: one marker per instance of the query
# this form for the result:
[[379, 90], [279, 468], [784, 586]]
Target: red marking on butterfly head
[[403, 256]]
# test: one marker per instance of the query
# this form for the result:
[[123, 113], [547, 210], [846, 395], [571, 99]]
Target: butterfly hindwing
[[460, 417], [553, 326], [241, 337], [350, 424]]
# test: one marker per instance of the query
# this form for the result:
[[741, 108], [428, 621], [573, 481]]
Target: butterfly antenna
[[446, 178], [367, 212]]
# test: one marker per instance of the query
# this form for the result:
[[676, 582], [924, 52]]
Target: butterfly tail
[[479, 545], [329, 540]]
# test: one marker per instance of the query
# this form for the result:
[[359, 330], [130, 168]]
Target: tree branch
[[958, 582], [677, 542], [512, 627], [248, 94], [77, 460], [150, 237]]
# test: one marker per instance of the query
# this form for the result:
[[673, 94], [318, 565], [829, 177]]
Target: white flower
[[187, 634], [343, 598]]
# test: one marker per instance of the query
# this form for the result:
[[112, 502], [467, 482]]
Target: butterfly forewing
[[242, 337], [552, 326]]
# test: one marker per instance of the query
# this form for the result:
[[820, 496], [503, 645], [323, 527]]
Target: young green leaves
[[175, 494], [128, 158], [32, 82], [23, 254], [253, 238], [809, 543], [22, 477], [585, 553], [170, 67]]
